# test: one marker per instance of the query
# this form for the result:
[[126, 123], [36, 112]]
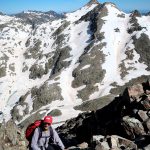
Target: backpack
[[31, 128]]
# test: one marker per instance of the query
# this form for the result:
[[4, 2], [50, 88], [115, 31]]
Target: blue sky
[[15, 6]]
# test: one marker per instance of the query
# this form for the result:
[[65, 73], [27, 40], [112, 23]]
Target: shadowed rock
[[117, 118]]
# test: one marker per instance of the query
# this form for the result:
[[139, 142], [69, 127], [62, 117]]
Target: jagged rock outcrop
[[136, 13], [92, 2], [126, 116], [135, 26], [11, 137]]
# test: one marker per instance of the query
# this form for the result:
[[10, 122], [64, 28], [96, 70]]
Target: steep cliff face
[[69, 63]]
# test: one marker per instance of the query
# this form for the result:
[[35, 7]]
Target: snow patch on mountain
[[115, 43], [72, 17], [144, 22], [5, 18]]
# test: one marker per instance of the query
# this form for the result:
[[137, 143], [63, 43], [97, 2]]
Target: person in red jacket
[[45, 137]]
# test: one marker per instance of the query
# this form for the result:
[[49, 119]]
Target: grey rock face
[[42, 96], [45, 95], [95, 104], [134, 25], [142, 46], [143, 115], [3, 65], [92, 2], [124, 69], [91, 75], [58, 59], [15, 111], [114, 142], [11, 137], [55, 112], [36, 71], [147, 125], [133, 127], [11, 67], [64, 25], [34, 51], [2, 26], [119, 89], [2, 71], [121, 16]]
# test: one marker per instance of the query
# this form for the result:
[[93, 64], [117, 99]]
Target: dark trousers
[[53, 147], [50, 147]]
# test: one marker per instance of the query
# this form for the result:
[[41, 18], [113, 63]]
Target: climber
[[45, 137]]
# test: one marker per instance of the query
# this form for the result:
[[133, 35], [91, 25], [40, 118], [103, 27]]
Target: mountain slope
[[87, 56]]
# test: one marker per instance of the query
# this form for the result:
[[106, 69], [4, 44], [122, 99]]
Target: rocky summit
[[66, 64]]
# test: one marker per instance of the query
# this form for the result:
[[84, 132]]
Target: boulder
[[121, 143], [133, 127], [11, 137], [143, 115], [83, 145], [147, 123], [113, 142], [135, 91], [146, 104], [100, 143]]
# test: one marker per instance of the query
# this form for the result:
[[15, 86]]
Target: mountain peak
[[148, 14], [1, 13], [92, 2], [135, 13]]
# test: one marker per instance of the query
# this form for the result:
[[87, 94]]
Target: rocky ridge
[[38, 17], [122, 124]]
